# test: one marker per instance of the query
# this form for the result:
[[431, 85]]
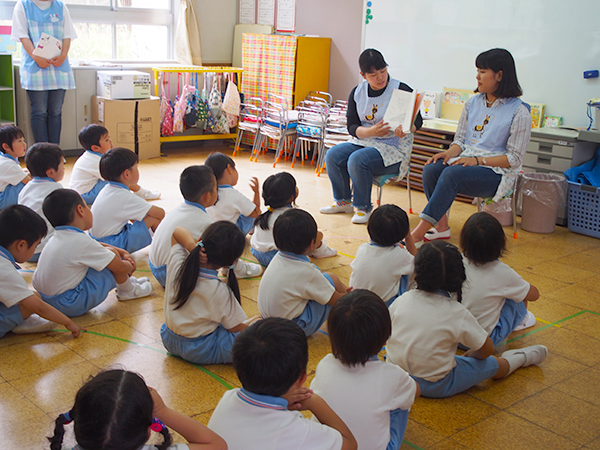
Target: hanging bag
[[231, 104], [179, 110], [217, 118], [166, 110]]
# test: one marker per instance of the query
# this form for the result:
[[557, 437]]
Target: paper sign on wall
[[266, 12], [286, 16], [247, 13]]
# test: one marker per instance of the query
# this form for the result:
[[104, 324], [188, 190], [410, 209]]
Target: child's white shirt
[[364, 396], [13, 287], [287, 285], [11, 172], [426, 330], [114, 207], [211, 303], [258, 422], [230, 204], [487, 288], [33, 195], [145, 447], [86, 172], [262, 240], [65, 261], [379, 269]]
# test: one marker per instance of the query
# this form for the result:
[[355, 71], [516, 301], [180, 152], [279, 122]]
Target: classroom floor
[[555, 405]]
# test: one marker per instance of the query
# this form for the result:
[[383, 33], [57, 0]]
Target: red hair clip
[[157, 425]]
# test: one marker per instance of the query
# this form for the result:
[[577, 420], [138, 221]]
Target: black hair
[[195, 181], [359, 325], [223, 243], [116, 161], [42, 157], [218, 162], [277, 190], [60, 205], [270, 356], [9, 134], [482, 238], [91, 135], [112, 411], [388, 225], [371, 60], [439, 265], [294, 231], [499, 59], [20, 222]]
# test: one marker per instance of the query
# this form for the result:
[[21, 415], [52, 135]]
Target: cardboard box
[[133, 124], [122, 84]]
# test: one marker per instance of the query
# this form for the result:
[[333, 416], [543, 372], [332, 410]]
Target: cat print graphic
[[478, 129]]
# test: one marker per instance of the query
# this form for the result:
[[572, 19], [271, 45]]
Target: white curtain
[[187, 36]]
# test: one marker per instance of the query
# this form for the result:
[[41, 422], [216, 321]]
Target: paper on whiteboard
[[286, 16], [247, 11], [48, 47], [266, 12], [400, 109]]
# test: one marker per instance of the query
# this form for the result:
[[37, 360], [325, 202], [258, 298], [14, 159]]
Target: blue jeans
[[46, 114], [442, 182], [350, 161]]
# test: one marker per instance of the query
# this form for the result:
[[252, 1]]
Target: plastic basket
[[584, 209]]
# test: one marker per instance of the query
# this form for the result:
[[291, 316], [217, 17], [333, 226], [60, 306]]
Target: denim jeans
[[350, 161], [46, 114], [442, 182]]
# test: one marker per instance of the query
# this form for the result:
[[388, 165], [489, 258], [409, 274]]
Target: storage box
[[584, 209], [133, 124], [122, 84]]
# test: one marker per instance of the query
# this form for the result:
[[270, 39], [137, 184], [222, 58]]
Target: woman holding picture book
[[375, 148], [488, 148]]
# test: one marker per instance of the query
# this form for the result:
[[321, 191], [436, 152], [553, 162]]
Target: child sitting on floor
[[384, 265], [116, 205], [292, 287], [377, 411], [270, 359], [85, 177], [22, 310], [12, 176], [46, 164], [494, 293], [75, 273], [279, 193]]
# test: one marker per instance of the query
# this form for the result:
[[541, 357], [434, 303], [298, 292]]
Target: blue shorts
[[263, 257], [92, 291], [214, 348], [9, 318], [314, 314], [511, 315], [398, 422], [404, 280], [10, 195], [91, 195], [133, 237], [245, 224], [160, 273], [467, 373]]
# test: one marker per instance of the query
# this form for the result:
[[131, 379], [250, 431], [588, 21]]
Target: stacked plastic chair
[[249, 121], [278, 123], [335, 131], [310, 131]]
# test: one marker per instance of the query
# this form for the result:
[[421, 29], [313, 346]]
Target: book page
[[400, 109]]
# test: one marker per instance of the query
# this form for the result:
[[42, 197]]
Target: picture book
[[430, 108], [453, 102], [48, 47], [403, 109], [537, 114], [552, 121]]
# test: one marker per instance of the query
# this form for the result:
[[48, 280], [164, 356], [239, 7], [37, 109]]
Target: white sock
[[127, 286], [515, 360]]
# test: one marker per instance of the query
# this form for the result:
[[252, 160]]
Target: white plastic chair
[[249, 121]]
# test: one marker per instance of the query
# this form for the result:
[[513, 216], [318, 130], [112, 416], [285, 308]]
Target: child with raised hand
[[292, 287], [279, 194], [199, 189], [85, 176], [494, 293], [46, 164], [22, 310], [123, 219], [75, 281], [203, 315], [12, 176], [429, 322], [385, 264], [382, 394], [116, 410], [270, 359]]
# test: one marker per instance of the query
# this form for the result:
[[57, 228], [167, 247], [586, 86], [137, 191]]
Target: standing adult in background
[[45, 80]]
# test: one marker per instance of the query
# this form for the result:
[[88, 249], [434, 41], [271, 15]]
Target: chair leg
[[296, 145], [238, 138], [410, 210], [514, 214], [379, 194]]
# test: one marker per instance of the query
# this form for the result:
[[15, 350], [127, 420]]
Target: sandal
[[434, 234]]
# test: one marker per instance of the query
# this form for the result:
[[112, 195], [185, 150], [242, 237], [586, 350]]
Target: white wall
[[216, 20]]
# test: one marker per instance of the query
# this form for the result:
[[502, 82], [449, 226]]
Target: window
[[132, 30]]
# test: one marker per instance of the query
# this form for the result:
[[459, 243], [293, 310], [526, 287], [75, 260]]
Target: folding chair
[[249, 121]]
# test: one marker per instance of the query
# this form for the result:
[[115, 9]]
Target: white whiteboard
[[430, 44]]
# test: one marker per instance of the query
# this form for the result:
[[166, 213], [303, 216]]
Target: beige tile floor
[[555, 405]]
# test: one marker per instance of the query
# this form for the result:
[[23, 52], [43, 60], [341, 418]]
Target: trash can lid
[[541, 176]]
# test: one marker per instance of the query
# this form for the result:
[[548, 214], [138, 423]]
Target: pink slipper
[[434, 234]]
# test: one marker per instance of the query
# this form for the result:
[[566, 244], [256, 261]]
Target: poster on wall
[[286, 16], [266, 12], [247, 12]]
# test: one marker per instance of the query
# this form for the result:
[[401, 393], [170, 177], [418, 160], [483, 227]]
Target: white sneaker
[[147, 194], [337, 208], [140, 290], [534, 354], [527, 322], [361, 216], [139, 280], [245, 270], [34, 324], [324, 251]]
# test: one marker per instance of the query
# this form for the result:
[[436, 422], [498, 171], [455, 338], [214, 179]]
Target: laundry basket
[[584, 209]]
